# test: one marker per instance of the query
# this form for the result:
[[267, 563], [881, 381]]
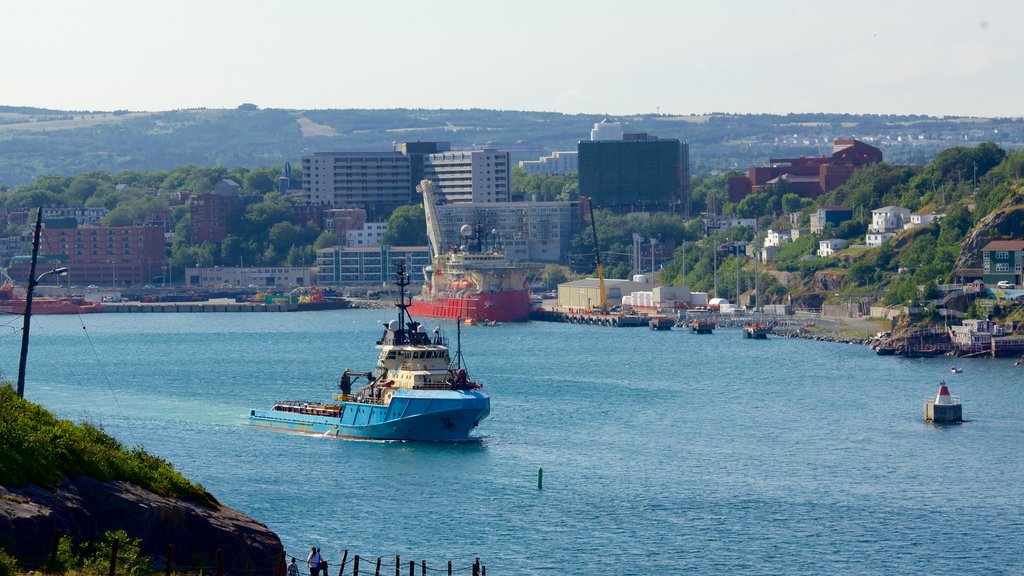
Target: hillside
[[57, 475], [34, 142]]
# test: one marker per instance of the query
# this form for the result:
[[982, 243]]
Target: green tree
[[406, 227], [326, 240]]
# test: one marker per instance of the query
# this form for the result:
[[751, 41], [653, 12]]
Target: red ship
[[474, 281], [12, 304]]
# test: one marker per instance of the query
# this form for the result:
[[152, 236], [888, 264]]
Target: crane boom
[[597, 257], [426, 187]]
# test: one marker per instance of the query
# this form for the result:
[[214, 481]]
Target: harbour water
[[663, 452]]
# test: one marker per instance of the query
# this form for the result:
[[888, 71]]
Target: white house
[[888, 219], [917, 220], [369, 235], [778, 237], [874, 240], [828, 247]]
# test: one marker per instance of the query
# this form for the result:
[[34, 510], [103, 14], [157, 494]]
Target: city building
[[606, 130], [807, 177], [369, 265], [469, 175], [829, 247], [829, 214], [261, 277], [636, 173], [417, 151], [83, 216], [557, 164], [585, 294], [122, 256], [377, 182], [369, 234], [212, 213], [527, 231], [1001, 261]]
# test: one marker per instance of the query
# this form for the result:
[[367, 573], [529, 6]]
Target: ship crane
[[597, 257], [426, 187]]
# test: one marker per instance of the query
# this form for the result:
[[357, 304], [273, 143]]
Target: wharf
[[614, 320], [223, 305]]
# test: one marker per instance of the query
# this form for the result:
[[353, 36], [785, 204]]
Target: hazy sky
[[638, 56]]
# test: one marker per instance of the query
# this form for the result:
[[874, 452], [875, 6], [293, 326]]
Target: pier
[[597, 319], [223, 305]]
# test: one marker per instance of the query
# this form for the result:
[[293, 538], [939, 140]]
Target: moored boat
[[12, 304], [756, 331], [417, 391]]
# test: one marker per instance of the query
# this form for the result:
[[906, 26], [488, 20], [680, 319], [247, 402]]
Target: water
[[663, 452]]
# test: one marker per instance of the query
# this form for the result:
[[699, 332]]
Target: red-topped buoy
[[945, 408]]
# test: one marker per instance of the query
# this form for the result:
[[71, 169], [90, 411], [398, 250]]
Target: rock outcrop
[[1007, 222], [84, 508]]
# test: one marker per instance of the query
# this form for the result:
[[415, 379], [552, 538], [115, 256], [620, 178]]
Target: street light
[[32, 283]]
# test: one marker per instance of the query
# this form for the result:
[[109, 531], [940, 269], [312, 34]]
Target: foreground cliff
[[57, 475]]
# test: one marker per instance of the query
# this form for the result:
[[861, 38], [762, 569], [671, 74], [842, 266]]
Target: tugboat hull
[[414, 415]]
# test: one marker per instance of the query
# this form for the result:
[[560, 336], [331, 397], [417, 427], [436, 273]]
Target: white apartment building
[[829, 247], [375, 181], [876, 239], [369, 235], [469, 175], [558, 163], [527, 231], [606, 130], [778, 238]]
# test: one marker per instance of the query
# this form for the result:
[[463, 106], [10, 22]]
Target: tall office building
[[417, 151], [377, 182], [638, 173], [469, 175]]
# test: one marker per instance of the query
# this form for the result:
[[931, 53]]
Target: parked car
[[1004, 284]]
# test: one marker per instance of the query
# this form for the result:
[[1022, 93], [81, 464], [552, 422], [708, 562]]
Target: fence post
[[377, 571], [113, 556], [355, 565], [449, 568], [483, 570], [423, 568], [52, 565], [344, 558], [170, 559], [412, 568], [398, 565], [476, 567], [220, 562]]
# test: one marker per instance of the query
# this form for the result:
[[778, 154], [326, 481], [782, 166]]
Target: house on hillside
[[829, 214], [1002, 260], [829, 247], [885, 223]]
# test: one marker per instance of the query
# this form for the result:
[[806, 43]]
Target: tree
[[791, 202], [406, 227], [326, 239]]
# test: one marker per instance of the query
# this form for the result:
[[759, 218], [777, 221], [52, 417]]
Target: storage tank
[[716, 303]]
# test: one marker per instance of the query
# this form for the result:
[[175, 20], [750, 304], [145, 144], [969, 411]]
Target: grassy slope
[[39, 448]]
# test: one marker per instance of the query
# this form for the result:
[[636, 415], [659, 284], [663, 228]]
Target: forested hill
[[36, 141]]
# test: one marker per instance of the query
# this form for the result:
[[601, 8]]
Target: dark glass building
[[637, 173]]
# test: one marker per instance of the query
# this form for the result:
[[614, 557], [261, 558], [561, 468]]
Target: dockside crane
[[597, 256]]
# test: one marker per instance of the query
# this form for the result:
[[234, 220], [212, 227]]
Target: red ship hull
[[51, 306], [508, 306]]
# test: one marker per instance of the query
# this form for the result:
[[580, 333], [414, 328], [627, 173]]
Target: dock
[[613, 320], [222, 305]]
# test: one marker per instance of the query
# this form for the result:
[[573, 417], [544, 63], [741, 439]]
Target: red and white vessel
[[475, 281], [13, 304]]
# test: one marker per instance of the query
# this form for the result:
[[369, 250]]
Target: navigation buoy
[[945, 408]]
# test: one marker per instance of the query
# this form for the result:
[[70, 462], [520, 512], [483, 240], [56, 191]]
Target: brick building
[[807, 177], [124, 256]]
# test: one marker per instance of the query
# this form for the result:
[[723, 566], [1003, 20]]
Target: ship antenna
[[402, 280]]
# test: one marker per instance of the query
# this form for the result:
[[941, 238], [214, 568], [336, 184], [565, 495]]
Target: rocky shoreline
[[84, 508]]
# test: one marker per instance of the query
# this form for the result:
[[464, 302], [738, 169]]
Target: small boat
[[417, 391], [955, 370], [661, 323], [757, 331], [702, 326]]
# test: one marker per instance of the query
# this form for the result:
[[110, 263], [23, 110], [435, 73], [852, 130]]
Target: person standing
[[314, 561], [323, 563], [293, 568]]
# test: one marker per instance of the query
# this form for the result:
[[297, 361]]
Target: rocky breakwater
[[84, 508]]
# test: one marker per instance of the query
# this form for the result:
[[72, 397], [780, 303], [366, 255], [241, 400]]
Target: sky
[[938, 58]]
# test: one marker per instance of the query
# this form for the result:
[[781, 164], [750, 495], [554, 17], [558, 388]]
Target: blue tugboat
[[417, 391]]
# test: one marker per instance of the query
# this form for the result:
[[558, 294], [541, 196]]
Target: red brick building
[[132, 255], [807, 177], [211, 215]]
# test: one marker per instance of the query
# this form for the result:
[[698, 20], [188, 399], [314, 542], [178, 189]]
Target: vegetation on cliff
[[40, 449]]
